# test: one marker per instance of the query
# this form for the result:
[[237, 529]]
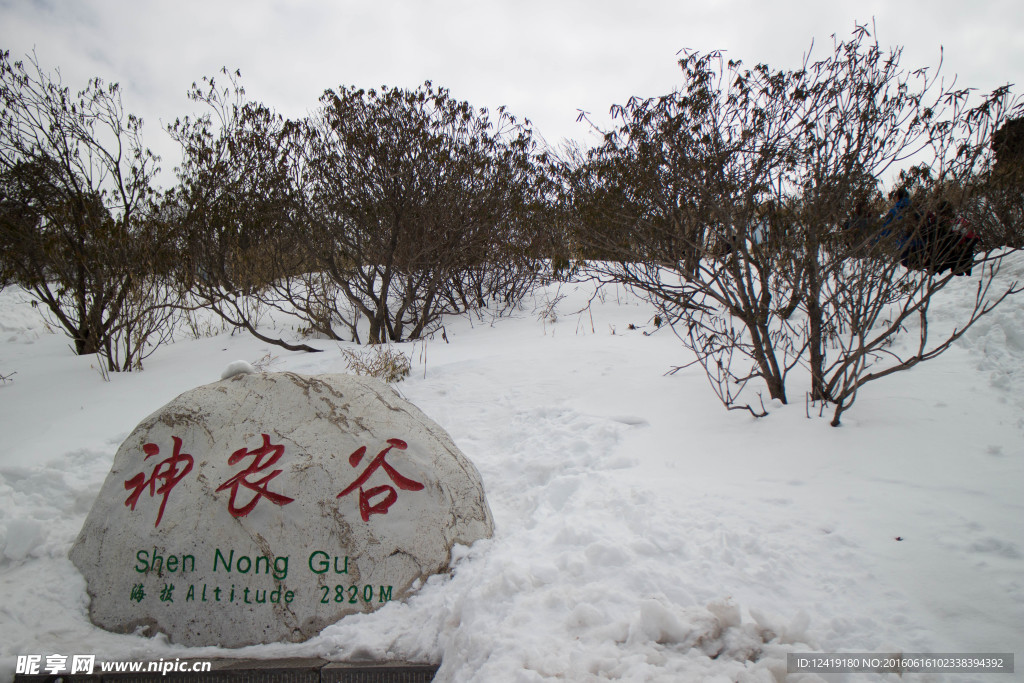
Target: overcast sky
[[542, 59]]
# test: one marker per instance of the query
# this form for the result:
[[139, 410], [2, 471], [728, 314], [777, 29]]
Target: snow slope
[[643, 532]]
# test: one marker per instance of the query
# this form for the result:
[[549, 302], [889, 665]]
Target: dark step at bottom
[[261, 671]]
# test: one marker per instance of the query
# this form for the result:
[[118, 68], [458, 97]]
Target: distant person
[[935, 242], [895, 218], [943, 242], [858, 228], [901, 228], [957, 251]]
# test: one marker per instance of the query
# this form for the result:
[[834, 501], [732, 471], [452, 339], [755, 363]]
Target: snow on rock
[[238, 367]]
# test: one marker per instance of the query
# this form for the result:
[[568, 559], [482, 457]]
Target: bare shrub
[[76, 200], [383, 361], [234, 207], [417, 206], [741, 206]]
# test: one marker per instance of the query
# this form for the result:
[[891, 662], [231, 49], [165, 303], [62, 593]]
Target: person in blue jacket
[[896, 220], [902, 225]]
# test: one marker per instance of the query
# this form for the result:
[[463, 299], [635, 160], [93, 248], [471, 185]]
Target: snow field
[[643, 533]]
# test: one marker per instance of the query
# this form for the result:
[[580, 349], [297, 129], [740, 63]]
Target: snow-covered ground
[[643, 533]]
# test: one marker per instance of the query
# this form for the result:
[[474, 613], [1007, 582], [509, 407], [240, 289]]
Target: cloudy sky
[[543, 59]]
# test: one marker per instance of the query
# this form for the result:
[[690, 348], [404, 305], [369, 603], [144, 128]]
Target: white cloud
[[544, 59]]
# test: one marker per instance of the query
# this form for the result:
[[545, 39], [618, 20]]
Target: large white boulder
[[264, 507]]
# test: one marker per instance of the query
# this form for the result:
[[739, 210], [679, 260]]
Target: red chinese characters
[[259, 486], [259, 474], [390, 495], [167, 472]]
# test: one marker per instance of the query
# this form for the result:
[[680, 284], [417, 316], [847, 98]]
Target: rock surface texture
[[264, 507]]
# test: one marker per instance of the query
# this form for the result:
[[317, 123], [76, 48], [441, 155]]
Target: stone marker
[[264, 507]]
